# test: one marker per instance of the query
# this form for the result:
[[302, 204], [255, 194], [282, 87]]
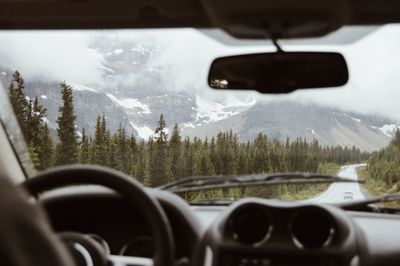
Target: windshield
[[138, 101]]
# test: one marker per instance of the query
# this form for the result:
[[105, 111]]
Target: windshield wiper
[[201, 183], [373, 204]]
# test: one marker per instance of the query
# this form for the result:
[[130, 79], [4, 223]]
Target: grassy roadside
[[376, 187], [372, 187], [303, 192], [328, 169], [282, 192]]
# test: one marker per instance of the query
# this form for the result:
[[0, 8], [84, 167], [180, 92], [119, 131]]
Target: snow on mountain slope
[[118, 51], [210, 111], [281, 119], [352, 118], [143, 132], [130, 103], [389, 130], [78, 87], [135, 103]]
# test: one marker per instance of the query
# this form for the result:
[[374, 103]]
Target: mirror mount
[[276, 44]]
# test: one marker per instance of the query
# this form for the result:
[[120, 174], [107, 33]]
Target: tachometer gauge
[[139, 247]]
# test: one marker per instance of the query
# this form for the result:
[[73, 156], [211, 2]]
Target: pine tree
[[175, 151], [160, 174], [188, 158], [37, 137], [46, 149], [396, 139], [35, 122], [18, 101], [101, 143], [141, 170], [123, 158], [84, 155], [203, 166], [214, 157], [34, 156], [242, 162], [113, 160], [67, 148]]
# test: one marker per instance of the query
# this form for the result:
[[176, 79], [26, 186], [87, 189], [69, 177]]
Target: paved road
[[336, 192]]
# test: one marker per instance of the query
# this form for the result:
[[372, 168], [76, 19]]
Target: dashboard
[[106, 216], [250, 232]]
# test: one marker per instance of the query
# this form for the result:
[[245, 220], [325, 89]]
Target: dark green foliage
[[67, 148], [161, 160], [31, 117], [159, 168], [19, 101], [45, 150], [84, 154], [175, 154], [384, 165], [99, 151], [141, 169]]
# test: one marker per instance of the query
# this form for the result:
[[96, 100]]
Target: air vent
[[250, 225], [312, 229]]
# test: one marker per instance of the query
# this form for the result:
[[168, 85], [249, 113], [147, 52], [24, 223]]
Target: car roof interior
[[262, 19]]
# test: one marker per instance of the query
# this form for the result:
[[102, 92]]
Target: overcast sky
[[374, 63]]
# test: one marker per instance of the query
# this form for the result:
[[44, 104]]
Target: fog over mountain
[[133, 76]]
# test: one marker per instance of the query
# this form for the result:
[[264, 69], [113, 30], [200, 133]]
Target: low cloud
[[51, 55], [186, 54]]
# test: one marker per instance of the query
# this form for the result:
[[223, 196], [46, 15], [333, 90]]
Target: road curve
[[336, 192]]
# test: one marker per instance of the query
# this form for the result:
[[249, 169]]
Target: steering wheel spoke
[[116, 260]]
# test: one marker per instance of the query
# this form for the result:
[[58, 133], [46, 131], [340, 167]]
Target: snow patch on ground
[[3, 73], [143, 132], [44, 97], [118, 51], [130, 103]]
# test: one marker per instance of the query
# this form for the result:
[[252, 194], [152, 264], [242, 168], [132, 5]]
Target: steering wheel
[[130, 189]]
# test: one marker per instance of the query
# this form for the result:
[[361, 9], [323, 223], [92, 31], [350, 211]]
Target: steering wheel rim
[[129, 188]]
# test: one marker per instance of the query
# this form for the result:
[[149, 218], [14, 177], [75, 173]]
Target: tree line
[[384, 165], [163, 157]]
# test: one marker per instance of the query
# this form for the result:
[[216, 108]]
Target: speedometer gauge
[[139, 247]]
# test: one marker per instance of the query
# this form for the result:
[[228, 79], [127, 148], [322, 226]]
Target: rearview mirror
[[280, 72]]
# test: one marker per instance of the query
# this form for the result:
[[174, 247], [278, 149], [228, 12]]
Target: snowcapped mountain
[[283, 119], [136, 89]]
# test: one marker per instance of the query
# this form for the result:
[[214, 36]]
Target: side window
[[9, 121]]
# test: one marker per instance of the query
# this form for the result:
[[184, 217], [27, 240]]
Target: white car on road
[[348, 195]]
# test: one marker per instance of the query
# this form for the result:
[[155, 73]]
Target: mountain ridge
[[136, 89]]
